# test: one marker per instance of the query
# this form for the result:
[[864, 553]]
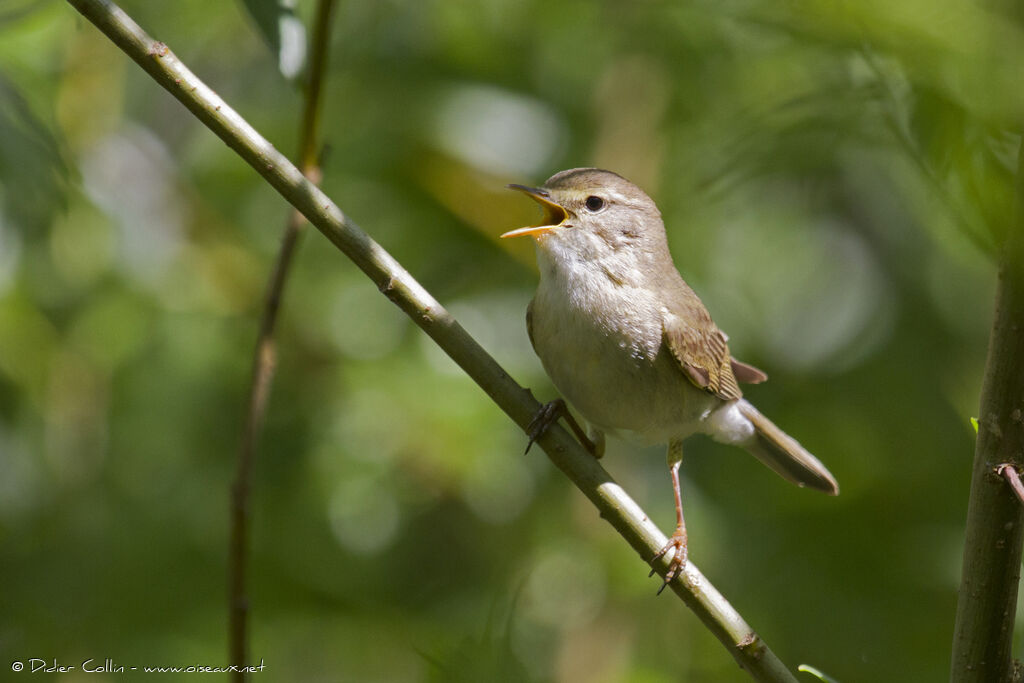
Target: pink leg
[[677, 542]]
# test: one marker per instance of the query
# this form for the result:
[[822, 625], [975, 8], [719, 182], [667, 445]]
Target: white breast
[[600, 340]]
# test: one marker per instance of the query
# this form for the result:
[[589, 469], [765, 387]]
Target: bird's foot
[[548, 415], [545, 417], [677, 544]]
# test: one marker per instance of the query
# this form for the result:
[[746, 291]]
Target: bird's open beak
[[554, 215]]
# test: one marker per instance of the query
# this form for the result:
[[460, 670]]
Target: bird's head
[[590, 213]]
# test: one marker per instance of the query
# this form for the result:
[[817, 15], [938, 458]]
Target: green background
[[832, 177]]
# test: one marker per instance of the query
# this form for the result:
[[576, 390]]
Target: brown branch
[[265, 356], [983, 636], [613, 504]]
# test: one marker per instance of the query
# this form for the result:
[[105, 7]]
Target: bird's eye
[[594, 204]]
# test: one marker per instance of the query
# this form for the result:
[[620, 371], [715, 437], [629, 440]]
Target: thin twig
[[265, 356], [614, 505], [1008, 472]]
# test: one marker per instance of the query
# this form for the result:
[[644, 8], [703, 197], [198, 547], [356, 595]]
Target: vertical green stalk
[[264, 360], [987, 603]]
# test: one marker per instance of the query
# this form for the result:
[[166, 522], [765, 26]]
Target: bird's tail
[[782, 453]]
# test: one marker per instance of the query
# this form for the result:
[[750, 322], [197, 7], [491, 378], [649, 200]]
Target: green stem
[[986, 607], [265, 356], [614, 505]]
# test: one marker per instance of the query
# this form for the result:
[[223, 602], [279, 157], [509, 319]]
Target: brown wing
[[702, 352], [700, 348]]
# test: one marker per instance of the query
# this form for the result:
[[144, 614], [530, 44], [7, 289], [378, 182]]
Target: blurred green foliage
[[833, 177]]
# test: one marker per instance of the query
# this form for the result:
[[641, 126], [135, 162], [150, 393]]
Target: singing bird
[[629, 343]]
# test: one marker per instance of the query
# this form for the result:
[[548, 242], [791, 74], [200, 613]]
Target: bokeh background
[[832, 175]]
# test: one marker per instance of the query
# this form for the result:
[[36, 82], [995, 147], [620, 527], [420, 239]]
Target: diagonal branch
[[614, 505], [265, 357]]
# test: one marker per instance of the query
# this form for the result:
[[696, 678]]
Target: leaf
[[806, 668], [33, 172], [283, 31]]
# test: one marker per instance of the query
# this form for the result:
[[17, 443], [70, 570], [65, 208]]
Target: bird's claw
[[548, 415], [677, 544]]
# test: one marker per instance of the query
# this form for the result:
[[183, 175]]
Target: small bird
[[630, 345]]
